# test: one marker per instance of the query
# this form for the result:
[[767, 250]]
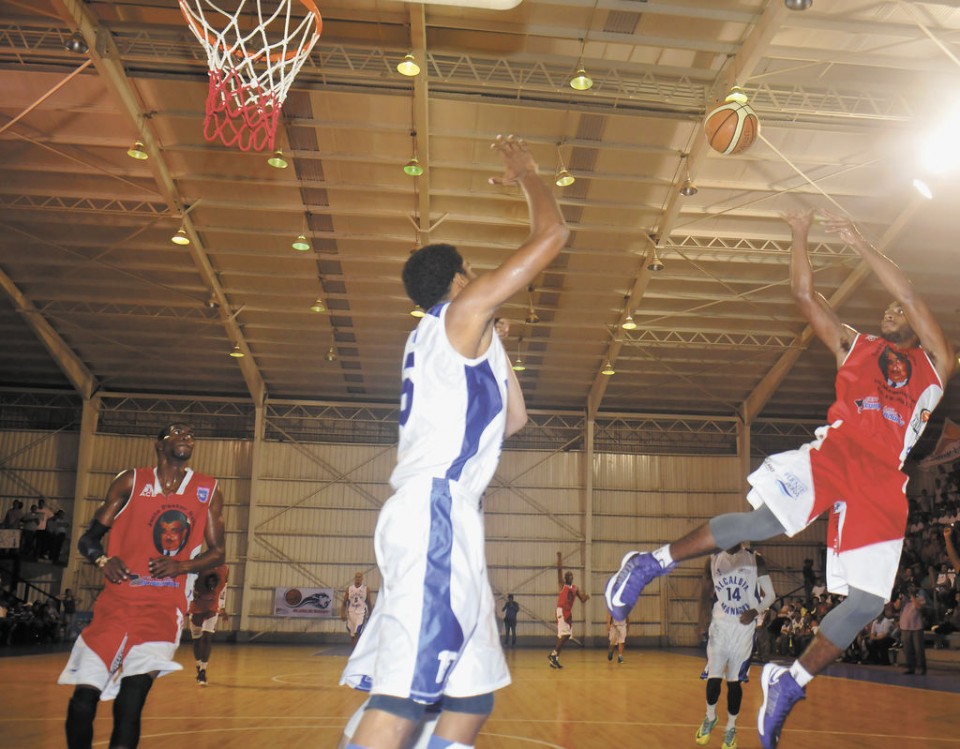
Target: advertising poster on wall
[[310, 603]]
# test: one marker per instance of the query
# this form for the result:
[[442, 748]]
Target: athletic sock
[[800, 674], [436, 742], [202, 665], [731, 721], [711, 712], [662, 555]]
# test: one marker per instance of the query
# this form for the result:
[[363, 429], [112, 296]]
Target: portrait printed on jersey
[[896, 367], [171, 533]]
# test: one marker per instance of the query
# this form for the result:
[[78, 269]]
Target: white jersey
[[734, 583], [357, 599], [452, 409]]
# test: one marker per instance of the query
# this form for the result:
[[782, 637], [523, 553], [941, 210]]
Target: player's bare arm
[[560, 582], [118, 494], [835, 335], [470, 316], [516, 405], [894, 280], [214, 555], [952, 551]]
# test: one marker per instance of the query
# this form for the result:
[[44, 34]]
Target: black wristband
[[89, 544]]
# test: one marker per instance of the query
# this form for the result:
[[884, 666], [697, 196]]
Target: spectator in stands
[[69, 614], [949, 623], [42, 542], [12, 518], [29, 523], [911, 604], [809, 580], [59, 528], [881, 638]]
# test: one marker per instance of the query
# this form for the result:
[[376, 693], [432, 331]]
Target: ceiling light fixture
[[138, 151], [277, 161], [301, 244], [236, 353], [798, 4], [518, 365], [532, 317], [629, 323], [413, 167], [417, 311], [656, 265], [180, 237], [76, 44], [563, 178], [318, 306], [581, 81], [688, 189], [408, 66], [608, 370], [923, 188], [331, 355]]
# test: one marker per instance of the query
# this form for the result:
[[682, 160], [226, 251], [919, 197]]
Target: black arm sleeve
[[89, 544]]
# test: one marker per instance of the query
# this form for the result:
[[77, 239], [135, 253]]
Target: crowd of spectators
[[23, 623], [43, 531]]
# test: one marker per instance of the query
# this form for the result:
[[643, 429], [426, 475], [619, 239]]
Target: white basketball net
[[253, 54]]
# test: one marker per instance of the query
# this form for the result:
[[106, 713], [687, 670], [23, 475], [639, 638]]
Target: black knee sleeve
[[402, 708], [480, 704], [713, 691], [127, 709], [759, 525], [81, 710], [734, 697], [842, 624]]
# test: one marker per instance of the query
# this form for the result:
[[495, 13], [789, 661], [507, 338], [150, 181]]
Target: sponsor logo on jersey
[[791, 486], [147, 491], [872, 403], [203, 494], [891, 414]]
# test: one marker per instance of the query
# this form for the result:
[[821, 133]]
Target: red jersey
[[886, 394], [209, 601], [565, 600], [153, 524]]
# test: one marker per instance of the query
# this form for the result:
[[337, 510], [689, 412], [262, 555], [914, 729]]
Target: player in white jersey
[[356, 607], [737, 589], [433, 634]]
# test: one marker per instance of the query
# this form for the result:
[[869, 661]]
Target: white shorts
[[564, 628], [85, 666], [355, 620], [618, 633], [729, 648], [208, 625], [434, 629], [864, 555]]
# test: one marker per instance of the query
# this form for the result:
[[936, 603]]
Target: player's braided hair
[[429, 271]]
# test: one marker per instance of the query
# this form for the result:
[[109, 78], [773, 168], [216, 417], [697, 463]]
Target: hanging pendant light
[[656, 265], [331, 355], [629, 323], [318, 306], [689, 189], [581, 81], [608, 370], [417, 311], [408, 66], [300, 244], [277, 161], [180, 237], [236, 353], [413, 167], [138, 151]]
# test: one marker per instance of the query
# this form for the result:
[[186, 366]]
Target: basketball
[[293, 597], [731, 128]]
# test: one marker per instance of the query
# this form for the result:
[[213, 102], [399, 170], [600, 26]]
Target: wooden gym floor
[[287, 696]]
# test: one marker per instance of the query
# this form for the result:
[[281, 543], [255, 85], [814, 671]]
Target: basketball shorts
[[421, 735], [125, 638], [618, 633], [865, 496], [729, 648], [209, 624], [434, 629], [564, 626], [355, 620]]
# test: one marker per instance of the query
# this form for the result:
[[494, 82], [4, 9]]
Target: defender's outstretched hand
[[517, 160], [843, 227], [798, 221]]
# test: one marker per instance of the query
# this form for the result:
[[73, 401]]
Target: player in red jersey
[[565, 597], [886, 388], [207, 606], [159, 520]]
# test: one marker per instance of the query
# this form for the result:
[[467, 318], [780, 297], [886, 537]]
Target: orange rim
[[199, 30]]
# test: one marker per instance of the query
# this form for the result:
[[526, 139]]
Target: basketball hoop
[[253, 58]]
